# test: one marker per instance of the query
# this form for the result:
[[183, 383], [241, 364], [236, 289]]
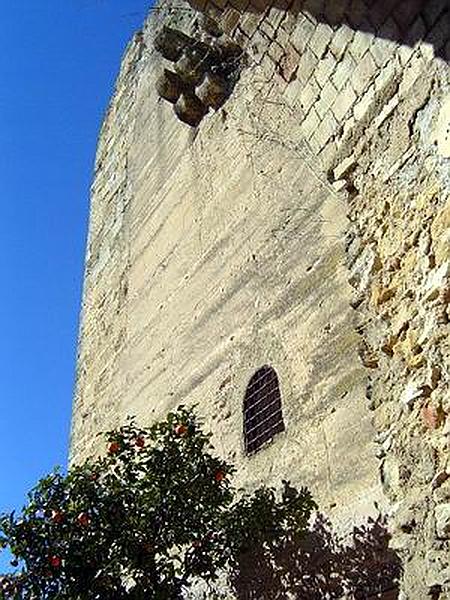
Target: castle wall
[[233, 257], [103, 319], [304, 225]]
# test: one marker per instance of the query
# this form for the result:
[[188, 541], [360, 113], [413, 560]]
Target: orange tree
[[155, 514]]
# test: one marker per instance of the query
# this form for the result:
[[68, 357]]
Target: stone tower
[[271, 199]]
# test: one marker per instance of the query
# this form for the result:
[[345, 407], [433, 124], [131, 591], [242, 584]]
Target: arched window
[[263, 416]]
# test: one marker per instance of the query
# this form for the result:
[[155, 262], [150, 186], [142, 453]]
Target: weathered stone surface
[[442, 514], [214, 253], [443, 129], [224, 273], [439, 479]]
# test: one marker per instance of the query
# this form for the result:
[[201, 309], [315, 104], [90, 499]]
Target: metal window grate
[[263, 417]]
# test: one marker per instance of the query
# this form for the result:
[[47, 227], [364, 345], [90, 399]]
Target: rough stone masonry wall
[[370, 84], [362, 90], [398, 250]]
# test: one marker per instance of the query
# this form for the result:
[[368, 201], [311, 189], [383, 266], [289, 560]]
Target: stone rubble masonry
[[305, 225]]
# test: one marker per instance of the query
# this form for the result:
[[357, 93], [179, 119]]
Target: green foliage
[[153, 515]]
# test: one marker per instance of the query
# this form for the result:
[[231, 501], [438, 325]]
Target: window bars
[[263, 416]]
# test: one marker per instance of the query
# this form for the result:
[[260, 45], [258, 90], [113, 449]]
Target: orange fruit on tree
[[219, 476], [181, 429], [140, 441], [55, 561], [113, 448], [83, 519], [57, 516]]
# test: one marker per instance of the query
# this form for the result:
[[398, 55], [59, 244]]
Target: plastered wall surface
[[303, 225]]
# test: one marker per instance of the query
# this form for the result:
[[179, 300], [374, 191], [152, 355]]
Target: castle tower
[[269, 241]]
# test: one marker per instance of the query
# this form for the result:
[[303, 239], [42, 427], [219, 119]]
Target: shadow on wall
[[318, 567], [401, 21]]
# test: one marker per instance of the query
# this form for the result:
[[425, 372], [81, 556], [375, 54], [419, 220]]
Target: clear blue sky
[[58, 62]]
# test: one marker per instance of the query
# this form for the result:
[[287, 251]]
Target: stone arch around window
[[263, 413]]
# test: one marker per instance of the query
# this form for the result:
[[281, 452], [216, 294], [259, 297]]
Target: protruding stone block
[[169, 86], [208, 25], [170, 43], [191, 66], [213, 90], [190, 109], [227, 48]]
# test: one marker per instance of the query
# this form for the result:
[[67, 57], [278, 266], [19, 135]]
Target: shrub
[[151, 517]]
